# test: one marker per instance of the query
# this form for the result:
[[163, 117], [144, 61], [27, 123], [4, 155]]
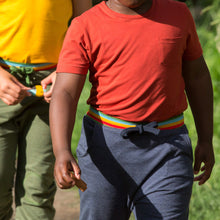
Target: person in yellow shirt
[[31, 34]]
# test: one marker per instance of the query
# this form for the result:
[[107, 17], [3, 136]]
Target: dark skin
[[200, 96], [68, 88], [63, 106], [129, 7]]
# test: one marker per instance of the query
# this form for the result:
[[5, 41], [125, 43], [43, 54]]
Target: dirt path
[[67, 204]]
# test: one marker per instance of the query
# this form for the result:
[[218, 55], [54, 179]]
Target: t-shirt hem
[[194, 57], [70, 69]]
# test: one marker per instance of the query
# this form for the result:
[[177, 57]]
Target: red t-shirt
[[135, 61]]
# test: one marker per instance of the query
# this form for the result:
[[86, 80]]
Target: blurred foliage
[[212, 12], [207, 16]]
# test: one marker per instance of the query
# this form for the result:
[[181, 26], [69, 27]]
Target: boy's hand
[[64, 167], [203, 154], [47, 81], [79, 183], [12, 91]]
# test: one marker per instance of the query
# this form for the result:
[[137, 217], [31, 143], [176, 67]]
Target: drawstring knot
[[141, 129]]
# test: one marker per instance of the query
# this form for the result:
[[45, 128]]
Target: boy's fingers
[[64, 181], [47, 96], [79, 182], [202, 178], [48, 93], [58, 179], [197, 166], [203, 168], [64, 184], [67, 179], [46, 81], [59, 182], [13, 98], [75, 169], [9, 100]]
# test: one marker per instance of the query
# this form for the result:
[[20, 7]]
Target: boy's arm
[[199, 91], [66, 93], [79, 6]]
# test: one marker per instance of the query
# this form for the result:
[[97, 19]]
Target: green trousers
[[26, 150]]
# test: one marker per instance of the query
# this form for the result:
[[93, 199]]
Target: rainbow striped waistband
[[172, 123], [37, 66]]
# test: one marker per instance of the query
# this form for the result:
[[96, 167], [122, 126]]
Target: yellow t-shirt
[[32, 31]]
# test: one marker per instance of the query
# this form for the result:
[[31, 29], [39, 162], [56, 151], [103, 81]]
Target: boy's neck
[[140, 8]]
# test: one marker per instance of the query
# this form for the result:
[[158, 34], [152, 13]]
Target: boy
[[31, 33], [134, 152]]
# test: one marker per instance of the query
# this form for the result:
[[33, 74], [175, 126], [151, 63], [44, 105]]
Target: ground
[[67, 204]]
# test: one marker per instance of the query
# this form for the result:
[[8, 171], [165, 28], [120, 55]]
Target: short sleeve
[[193, 47], [73, 57]]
